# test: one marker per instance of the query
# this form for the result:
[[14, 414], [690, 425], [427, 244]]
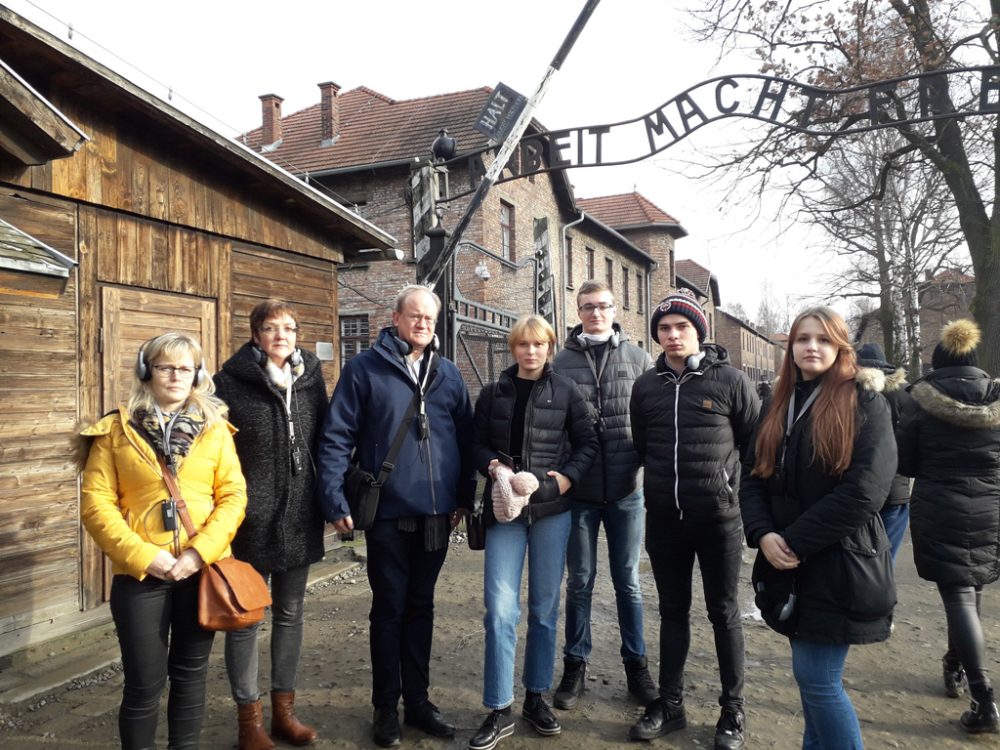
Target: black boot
[[571, 686], [982, 717], [954, 675], [640, 683], [661, 716]]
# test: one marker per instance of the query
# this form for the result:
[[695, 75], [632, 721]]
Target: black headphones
[[405, 347], [144, 372], [294, 359]]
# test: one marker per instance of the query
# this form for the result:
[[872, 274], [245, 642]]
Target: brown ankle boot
[[252, 735], [285, 724]]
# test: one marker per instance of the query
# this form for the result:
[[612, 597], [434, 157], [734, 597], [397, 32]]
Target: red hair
[[834, 414]]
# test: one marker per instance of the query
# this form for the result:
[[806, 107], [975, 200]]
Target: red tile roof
[[625, 210], [951, 276], [375, 129], [700, 276]]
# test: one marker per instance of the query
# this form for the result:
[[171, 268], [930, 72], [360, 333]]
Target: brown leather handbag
[[231, 593]]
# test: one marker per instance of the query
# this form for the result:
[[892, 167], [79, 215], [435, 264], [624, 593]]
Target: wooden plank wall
[[307, 284], [39, 528], [125, 168]]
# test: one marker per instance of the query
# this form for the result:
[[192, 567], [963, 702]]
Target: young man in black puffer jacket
[[692, 417]]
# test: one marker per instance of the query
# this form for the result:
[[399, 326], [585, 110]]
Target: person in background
[[819, 472], [692, 417], [890, 381], [171, 417], [949, 442], [532, 420], [424, 497], [277, 400], [598, 357]]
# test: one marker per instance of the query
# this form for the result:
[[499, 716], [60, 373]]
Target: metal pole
[[505, 151]]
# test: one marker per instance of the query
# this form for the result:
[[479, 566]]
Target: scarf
[[181, 428]]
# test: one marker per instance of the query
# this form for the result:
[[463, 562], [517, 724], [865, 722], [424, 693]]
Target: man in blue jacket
[[422, 499]]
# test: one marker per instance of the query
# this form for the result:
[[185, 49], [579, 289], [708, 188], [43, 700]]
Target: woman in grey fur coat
[[949, 441], [277, 400]]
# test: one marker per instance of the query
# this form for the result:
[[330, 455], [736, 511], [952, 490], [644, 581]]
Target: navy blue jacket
[[432, 475]]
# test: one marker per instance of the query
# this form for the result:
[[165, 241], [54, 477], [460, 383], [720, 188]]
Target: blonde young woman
[[531, 419], [823, 464], [172, 415]]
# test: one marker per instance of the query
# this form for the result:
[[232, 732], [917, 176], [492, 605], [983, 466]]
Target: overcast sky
[[219, 56]]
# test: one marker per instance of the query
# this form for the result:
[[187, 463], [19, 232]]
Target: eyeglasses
[[271, 330], [168, 371], [590, 309]]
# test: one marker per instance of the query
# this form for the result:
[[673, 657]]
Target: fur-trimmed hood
[[874, 379], [935, 396]]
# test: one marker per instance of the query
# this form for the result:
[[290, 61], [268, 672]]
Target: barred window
[[354, 337]]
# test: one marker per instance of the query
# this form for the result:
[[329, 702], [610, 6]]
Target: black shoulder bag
[[362, 489]]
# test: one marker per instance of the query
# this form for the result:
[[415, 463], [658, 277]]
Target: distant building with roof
[[749, 349], [530, 245], [705, 285]]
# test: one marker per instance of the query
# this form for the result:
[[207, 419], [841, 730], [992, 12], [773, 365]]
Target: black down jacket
[[949, 441], [558, 436], [607, 386], [689, 432], [283, 528], [893, 386], [844, 582]]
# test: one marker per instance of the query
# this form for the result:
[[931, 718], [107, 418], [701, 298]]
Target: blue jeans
[[831, 723], [895, 518], [624, 526], [288, 591], [544, 541]]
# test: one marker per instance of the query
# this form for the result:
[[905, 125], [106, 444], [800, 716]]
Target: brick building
[[749, 350], [705, 285], [529, 246]]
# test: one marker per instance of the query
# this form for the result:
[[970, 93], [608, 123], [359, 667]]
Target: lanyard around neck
[[792, 418]]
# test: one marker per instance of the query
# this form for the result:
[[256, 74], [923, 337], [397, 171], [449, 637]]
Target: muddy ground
[[896, 686]]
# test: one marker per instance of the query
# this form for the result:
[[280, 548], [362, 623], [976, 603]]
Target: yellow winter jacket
[[123, 486]]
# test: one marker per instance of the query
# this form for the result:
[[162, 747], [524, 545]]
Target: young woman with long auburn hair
[[821, 468]]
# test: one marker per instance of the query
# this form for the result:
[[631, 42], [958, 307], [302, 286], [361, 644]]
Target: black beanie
[[958, 345]]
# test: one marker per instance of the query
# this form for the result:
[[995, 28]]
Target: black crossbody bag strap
[[397, 442]]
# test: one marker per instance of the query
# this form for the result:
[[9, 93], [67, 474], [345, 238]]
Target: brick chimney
[[329, 108], [270, 105]]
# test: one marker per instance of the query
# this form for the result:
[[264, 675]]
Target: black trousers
[[673, 544], [159, 636], [402, 575], [965, 633]]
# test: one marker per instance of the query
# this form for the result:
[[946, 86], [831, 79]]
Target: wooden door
[[130, 317]]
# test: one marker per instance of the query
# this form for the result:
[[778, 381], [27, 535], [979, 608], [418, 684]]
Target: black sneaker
[[537, 713], [662, 716], [730, 730], [498, 724]]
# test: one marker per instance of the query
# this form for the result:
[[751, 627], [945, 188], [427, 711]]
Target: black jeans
[[402, 575], [965, 633], [672, 545], [159, 636]]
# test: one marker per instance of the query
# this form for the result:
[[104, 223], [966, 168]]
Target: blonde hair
[[201, 399], [532, 328]]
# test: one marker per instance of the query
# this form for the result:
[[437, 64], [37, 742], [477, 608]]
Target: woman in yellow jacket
[[154, 593]]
